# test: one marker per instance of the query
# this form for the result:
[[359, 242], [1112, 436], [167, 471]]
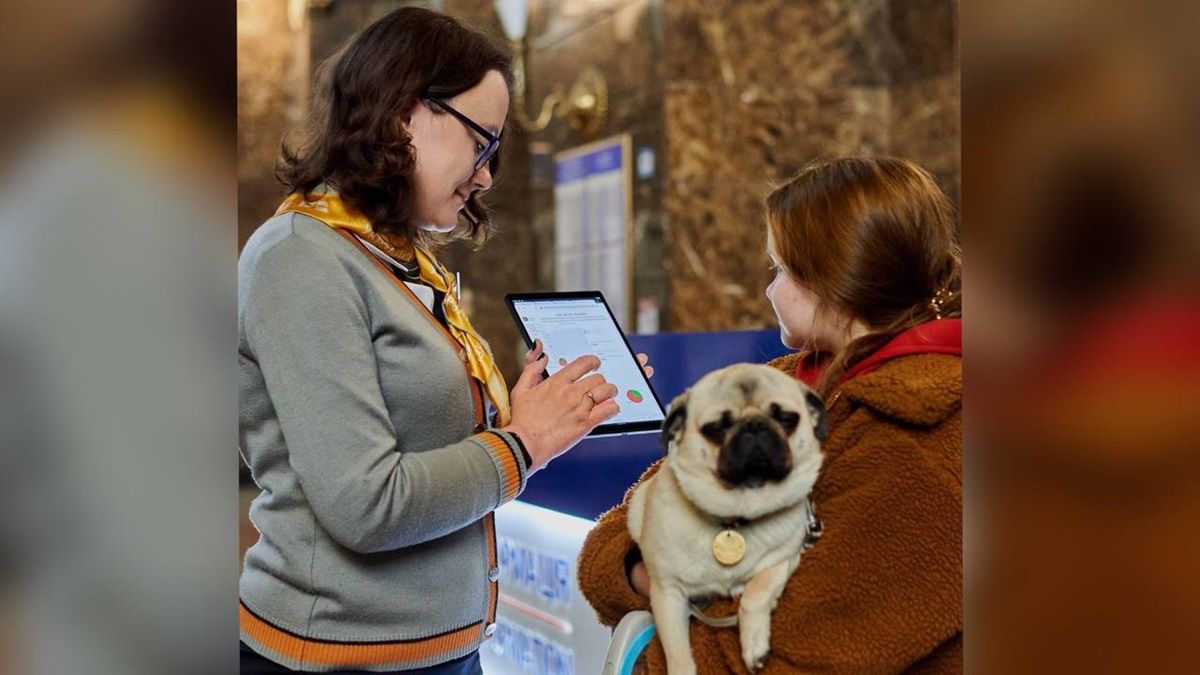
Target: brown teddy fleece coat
[[881, 592]]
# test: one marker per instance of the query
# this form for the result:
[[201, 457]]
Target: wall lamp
[[584, 104]]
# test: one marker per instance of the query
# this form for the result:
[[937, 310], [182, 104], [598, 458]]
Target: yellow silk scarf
[[331, 210]]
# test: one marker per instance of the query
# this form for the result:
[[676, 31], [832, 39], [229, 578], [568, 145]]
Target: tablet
[[577, 323]]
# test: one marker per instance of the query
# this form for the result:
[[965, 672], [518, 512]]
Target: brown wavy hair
[[356, 141], [874, 239]]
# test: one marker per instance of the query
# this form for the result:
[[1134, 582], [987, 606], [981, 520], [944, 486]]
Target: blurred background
[[118, 403], [1082, 305]]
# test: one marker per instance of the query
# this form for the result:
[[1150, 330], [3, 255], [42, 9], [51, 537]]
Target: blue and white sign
[[543, 625], [593, 222]]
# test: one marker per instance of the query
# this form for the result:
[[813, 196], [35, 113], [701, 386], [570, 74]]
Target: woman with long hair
[[867, 288], [373, 415]]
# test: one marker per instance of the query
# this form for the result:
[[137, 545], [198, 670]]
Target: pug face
[[744, 441]]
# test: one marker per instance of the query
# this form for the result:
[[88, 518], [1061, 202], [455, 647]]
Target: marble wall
[[754, 90], [273, 86], [729, 96], [623, 39]]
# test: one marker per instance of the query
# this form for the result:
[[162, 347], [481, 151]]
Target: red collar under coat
[[941, 336]]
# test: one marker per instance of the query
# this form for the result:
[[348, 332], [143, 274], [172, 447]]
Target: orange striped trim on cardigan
[[348, 654], [506, 458], [492, 564]]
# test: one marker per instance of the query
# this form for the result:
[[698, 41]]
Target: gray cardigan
[[362, 427]]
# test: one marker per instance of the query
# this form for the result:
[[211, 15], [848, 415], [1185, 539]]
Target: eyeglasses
[[485, 151]]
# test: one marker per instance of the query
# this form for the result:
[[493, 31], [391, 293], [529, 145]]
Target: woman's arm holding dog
[[608, 555]]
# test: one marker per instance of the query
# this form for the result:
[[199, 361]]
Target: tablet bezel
[[604, 429]]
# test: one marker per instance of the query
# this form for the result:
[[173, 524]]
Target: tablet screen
[[571, 325]]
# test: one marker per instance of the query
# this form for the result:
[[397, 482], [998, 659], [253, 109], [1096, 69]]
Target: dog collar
[[729, 546], [814, 528]]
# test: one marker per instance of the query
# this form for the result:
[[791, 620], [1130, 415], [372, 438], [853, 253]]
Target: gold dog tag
[[729, 547]]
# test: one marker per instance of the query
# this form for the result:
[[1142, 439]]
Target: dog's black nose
[[755, 454]]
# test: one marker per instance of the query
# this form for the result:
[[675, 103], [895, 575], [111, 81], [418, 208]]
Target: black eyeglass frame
[[493, 141]]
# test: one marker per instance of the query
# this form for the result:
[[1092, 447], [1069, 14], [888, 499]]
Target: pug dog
[[728, 513]]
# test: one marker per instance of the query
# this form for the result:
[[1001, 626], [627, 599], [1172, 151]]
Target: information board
[[593, 222]]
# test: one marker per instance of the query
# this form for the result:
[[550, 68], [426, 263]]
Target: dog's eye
[[714, 431], [788, 420]]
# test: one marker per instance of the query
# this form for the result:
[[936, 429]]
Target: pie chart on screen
[[634, 395]]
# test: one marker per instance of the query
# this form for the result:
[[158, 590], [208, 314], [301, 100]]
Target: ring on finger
[[590, 397]]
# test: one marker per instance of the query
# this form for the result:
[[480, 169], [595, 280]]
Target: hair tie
[[940, 297]]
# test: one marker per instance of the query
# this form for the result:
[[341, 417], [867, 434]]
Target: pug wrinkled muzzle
[[755, 453]]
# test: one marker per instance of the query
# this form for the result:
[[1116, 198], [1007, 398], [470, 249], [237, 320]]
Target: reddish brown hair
[[874, 239]]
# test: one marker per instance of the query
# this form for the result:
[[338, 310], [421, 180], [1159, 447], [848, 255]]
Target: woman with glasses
[[373, 416]]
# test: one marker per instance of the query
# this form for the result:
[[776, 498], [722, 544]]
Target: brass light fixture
[[584, 104]]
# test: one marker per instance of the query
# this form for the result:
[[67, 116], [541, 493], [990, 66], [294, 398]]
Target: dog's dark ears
[[820, 420], [676, 417]]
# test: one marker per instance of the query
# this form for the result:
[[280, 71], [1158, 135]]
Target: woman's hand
[[643, 359], [536, 353], [552, 415]]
